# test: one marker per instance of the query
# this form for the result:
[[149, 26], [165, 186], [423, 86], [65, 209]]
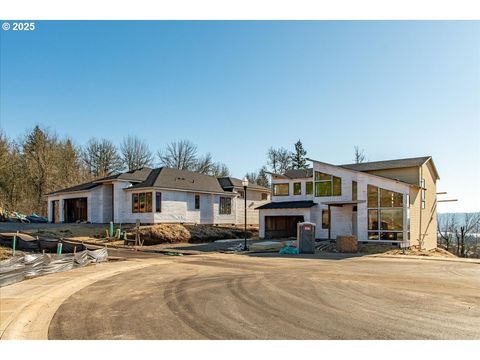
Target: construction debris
[[14, 216], [29, 243], [32, 265], [270, 246]]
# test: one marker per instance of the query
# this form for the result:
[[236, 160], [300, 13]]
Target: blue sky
[[396, 89]]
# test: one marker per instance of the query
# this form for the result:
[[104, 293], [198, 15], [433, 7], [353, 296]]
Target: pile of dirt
[[437, 252], [206, 233], [7, 252], [177, 233], [387, 249]]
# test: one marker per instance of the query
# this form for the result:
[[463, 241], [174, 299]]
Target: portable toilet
[[306, 237]]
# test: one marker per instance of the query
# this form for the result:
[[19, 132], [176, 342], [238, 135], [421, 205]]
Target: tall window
[[297, 188], [327, 185], [309, 188], [325, 219], [354, 191], [158, 202], [197, 202], [280, 189], [385, 214], [422, 184], [264, 196], [225, 207], [142, 202]]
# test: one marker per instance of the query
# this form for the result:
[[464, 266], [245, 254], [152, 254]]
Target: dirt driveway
[[218, 296]]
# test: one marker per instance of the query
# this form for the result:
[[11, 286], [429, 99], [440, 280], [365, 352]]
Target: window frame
[[225, 205], [278, 185], [299, 188], [197, 202], [142, 202], [333, 183], [375, 206], [158, 202], [309, 184]]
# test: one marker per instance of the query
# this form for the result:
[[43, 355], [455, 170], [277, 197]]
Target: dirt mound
[[176, 233]]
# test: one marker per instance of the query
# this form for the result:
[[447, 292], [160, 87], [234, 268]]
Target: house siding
[[341, 217]]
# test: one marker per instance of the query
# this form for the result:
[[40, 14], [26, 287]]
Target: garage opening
[[75, 210], [281, 226]]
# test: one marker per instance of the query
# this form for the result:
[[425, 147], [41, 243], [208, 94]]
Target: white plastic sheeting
[[32, 265]]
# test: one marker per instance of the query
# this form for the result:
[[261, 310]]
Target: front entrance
[[281, 226], [75, 210]]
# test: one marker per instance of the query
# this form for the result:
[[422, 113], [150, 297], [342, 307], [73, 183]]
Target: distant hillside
[[458, 216]]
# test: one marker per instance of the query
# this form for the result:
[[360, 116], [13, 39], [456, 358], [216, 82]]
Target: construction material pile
[[270, 246], [14, 216], [32, 265], [29, 243], [347, 244]]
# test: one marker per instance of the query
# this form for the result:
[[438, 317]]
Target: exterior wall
[[94, 204], [341, 217], [281, 212], [409, 175], [423, 222], [107, 203], [222, 218], [254, 200]]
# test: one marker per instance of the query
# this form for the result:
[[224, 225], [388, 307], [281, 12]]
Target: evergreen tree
[[298, 158]]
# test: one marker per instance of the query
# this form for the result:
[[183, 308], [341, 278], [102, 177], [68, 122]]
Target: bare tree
[[219, 170], [359, 155], [135, 153], [259, 178], [102, 158], [179, 155], [444, 228], [463, 231], [204, 164], [279, 160]]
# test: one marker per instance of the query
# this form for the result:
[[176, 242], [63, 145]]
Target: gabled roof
[[179, 179], [228, 183]]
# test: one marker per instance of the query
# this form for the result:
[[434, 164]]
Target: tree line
[[41, 162]]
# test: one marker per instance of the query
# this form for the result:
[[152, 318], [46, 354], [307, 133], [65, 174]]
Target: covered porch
[[340, 218]]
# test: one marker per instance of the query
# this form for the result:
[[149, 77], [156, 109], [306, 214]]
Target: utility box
[[306, 237]]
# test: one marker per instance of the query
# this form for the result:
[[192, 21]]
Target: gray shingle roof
[[81, 187], [228, 183], [387, 164], [136, 175], [180, 179], [288, 205]]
